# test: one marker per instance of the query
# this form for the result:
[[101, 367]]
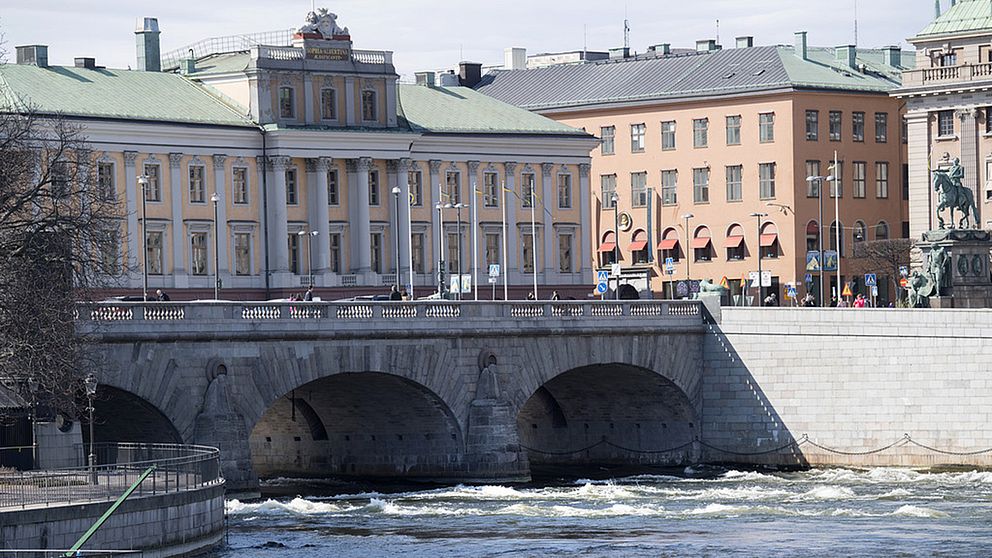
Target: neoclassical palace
[[310, 160]]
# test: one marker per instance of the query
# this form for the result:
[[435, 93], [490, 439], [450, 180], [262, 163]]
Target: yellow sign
[[324, 53], [847, 290], [724, 283]]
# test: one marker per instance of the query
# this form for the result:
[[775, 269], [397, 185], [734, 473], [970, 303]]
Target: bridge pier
[[492, 448]]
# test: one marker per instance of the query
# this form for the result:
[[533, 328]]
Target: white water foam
[[297, 506], [918, 511]]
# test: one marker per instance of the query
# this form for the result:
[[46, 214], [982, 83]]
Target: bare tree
[[883, 257]]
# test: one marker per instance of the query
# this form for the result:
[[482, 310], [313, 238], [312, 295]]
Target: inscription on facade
[[324, 53]]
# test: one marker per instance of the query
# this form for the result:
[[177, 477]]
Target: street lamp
[[459, 207], [90, 383], [215, 199], [441, 286], [309, 235], [687, 216], [143, 183], [616, 238], [758, 216], [818, 180], [396, 232]]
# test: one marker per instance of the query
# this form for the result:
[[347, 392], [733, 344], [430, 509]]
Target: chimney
[[33, 55], [449, 79], [469, 73], [425, 78], [892, 56], [515, 58], [706, 45], [801, 50], [660, 49], [619, 53], [84, 62], [746, 41], [847, 54], [149, 55]]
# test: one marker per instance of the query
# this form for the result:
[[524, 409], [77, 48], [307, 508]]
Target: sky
[[436, 34]]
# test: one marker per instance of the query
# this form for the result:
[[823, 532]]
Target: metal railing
[[231, 43], [178, 468]]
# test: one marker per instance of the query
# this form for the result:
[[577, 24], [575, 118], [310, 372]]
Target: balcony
[[947, 75]]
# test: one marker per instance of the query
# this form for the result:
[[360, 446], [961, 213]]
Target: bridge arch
[[122, 416]]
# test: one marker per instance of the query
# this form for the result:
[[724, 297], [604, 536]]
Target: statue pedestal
[[965, 282]]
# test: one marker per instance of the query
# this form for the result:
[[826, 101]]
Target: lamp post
[[458, 207], [396, 232], [143, 183], [441, 286], [33, 389], [837, 178], [687, 217], [308, 235], [818, 180], [215, 199], [90, 383], [616, 237], [758, 216]]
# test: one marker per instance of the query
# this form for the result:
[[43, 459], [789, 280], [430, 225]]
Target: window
[[608, 184], [292, 194], [701, 185], [905, 181], [374, 188], [949, 59], [490, 189], [812, 236], [882, 231], [153, 190], [153, 252], [564, 191], [881, 127], [837, 185], [636, 138], [734, 130], [328, 104], [835, 125], [453, 253], [768, 242], [905, 130], [287, 105], [60, 179], [812, 186], [370, 111], [565, 253], [858, 126], [527, 249], [109, 246], [417, 250], [334, 241], [293, 241], [375, 247], [735, 243], [735, 175], [766, 180], [670, 245], [668, 135], [239, 185], [945, 123], [859, 170], [453, 187], [882, 179], [860, 232], [639, 247], [669, 187], [197, 189], [700, 129], [527, 189], [492, 249], [812, 125], [905, 229], [105, 181], [242, 254], [416, 181], [333, 197], [607, 135], [702, 245], [638, 189], [766, 127], [198, 253], [833, 238]]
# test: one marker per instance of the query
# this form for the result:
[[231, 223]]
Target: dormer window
[[287, 106], [369, 108]]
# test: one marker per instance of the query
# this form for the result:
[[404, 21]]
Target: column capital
[[546, 168], [473, 167], [584, 170], [435, 166], [324, 163], [279, 163], [392, 165], [363, 164], [311, 165], [510, 167], [130, 157], [219, 159], [404, 164], [174, 159]]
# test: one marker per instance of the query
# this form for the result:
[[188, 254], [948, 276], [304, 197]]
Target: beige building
[[721, 135], [269, 167]]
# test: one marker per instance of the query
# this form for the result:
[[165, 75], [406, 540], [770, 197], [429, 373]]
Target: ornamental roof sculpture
[[323, 25]]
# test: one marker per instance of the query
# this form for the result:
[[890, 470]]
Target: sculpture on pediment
[[324, 24]]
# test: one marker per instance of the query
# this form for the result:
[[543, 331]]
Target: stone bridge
[[429, 390]]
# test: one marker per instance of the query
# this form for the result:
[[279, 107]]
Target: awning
[[668, 243], [638, 245], [734, 241], [701, 242], [768, 240], [607, 247]]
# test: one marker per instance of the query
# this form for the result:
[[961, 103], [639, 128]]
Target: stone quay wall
[[834, 386]]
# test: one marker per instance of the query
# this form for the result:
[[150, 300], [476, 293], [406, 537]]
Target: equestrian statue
[[953, 194]]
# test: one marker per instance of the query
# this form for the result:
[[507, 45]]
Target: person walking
[[860, 301], [394, 293], [162, 296], [808, 300], [308, 296], [554, 295]]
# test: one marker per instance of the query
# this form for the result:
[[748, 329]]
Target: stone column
[[403, 181], [133, 201], [361, 256], [969, 156], [512, 235], [349, 101], [308, 98], [320, 218], [474, 200], [264, 233], [178, 230], [585, 223], [223, 237], [435, 189], [550, 202], [278, 217], [921, 201]]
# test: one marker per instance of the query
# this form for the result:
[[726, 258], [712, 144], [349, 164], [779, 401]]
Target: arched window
[[736, 244], [669, 245], [608, 249], [833, 238], [639, 247], [860, 232], [702, 245], [812, 236], [882, 231], [768, 242]]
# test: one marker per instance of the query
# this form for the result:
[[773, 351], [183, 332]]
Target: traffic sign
[[904, 282], [847, 290], [874, 290], [766, 278], [790, 291], [904, 271], [492, 280], [871, 280], [809, 278], [466, 283], [615, 270], [601, 288], [494, 270], [602, 276], [752, 276], [670, 266]]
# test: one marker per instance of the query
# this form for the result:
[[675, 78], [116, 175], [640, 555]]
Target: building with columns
[[948, 97], [310, 159]]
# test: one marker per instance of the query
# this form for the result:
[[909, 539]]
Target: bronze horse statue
[[953, 195]]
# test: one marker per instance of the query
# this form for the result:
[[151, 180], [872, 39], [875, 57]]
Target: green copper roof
[[117, 94], [965, 16], [463, 110]]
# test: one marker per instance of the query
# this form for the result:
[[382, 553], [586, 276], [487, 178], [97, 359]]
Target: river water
[[712, 512]]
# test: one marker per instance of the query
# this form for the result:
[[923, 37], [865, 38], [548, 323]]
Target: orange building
[[708, 154]]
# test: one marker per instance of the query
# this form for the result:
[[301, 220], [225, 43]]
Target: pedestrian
[[771, 300], [809, 301], [394, 293], [162, 296], [530, 296], [554, 295], [860, 301], [308, 296]]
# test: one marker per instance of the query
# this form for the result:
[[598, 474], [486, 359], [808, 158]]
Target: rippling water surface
[[827, 512]]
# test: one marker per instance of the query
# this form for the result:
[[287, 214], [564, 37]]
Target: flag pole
[[837, 193], [506, 272], [533, 236], [475, 242]]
